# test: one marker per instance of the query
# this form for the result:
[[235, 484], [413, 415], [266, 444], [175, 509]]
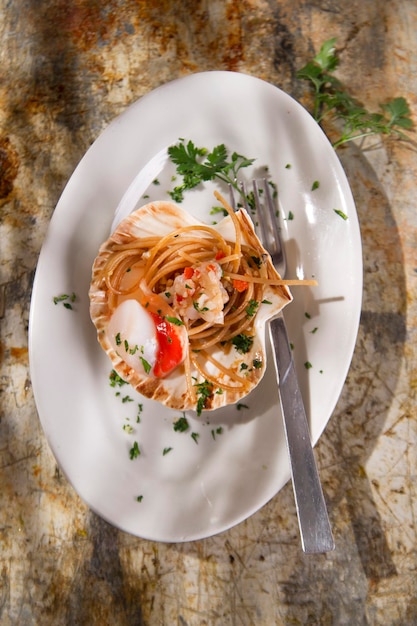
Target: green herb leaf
[[64, 297], [197, 307], [139, 413], [181, 424], [174, 320], [252, 308], [243, 343], [197, 165], [204, 392], [146, 366], [116, 380], [332, 101], [134, 451], [341, 214], [217, 431]]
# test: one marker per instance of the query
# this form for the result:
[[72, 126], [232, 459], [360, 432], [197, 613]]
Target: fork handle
[[313, 519]]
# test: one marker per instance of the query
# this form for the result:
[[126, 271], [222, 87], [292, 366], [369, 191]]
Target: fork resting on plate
[[316, 534]]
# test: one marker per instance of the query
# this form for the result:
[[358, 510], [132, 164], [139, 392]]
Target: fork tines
[[266, 219]]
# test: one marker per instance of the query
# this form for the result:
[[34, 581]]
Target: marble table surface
[[67, 70]]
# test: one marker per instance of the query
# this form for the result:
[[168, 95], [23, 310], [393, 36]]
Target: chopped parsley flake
[[241, 406], [128, 428], [64, 297], [134, 451], [166, 451], [139, 498], [139, 413], [307, 365], [251, 308], [341, 214], [181, 424], [127, 399], [118, 339], [243, 343], [195, 436], [266, 302], [218, 209], [257, 364], [315, 185], [146, 366], [217, 431], [116, 380], [197, 307], [174, 320], [204, 391]]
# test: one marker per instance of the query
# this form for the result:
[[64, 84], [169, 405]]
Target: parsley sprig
[[197, 165], [332, 101]]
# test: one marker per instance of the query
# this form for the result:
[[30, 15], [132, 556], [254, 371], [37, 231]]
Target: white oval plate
[[238, 461]]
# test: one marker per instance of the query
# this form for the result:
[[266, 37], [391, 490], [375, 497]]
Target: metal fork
[[313, 519]]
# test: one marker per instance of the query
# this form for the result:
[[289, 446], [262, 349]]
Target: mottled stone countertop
[[67, 70]]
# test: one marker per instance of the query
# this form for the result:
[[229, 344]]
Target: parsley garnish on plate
[[66, 299], [217, 431], [116, 380], [341, 214], [197, 165], [134, 451], [181, 424]]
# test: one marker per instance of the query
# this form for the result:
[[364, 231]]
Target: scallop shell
[[161, 218]]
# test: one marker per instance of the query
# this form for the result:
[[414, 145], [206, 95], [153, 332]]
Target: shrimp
[[199, 293]]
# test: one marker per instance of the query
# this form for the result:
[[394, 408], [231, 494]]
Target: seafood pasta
[[180, 306]]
